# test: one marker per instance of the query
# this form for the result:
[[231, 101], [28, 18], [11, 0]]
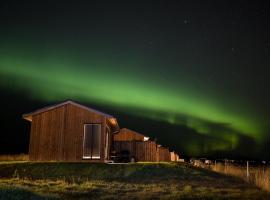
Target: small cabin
[[69, 131], [174, 156], [140, 146], [163, 154]]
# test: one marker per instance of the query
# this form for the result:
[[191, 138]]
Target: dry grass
[[49, 189], [14, 157], [28, 180], [238, 171], [259, 176]]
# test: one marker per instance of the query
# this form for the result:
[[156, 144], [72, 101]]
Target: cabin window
[[107, 146], [91, 142]]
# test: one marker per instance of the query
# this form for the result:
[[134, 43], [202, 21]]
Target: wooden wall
[[164, 154], [46, 133], [74, 132], [147, 151], [57, 134], [128, 135], [142, 151], [173, 156], [177, 158]]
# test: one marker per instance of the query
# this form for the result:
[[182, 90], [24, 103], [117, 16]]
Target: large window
[[91, 142], [107, 144]]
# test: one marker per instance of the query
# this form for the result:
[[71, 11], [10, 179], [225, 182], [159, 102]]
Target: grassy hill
[[52, 180]]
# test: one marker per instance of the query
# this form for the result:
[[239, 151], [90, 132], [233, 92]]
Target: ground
[[52, 180]]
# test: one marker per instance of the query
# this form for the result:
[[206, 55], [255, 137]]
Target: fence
[[258, 175]]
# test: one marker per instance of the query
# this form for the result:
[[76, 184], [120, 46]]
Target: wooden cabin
[[174, 156], [140, 146], [69, 131], [163, 154]]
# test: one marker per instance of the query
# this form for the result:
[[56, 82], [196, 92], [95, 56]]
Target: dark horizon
[[192, 74]]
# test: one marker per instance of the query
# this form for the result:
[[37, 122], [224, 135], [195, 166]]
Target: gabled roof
[[134, 132], [28, 116], [144, 137]]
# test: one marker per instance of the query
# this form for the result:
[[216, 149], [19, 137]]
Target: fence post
[[247, 170], [225, 166]]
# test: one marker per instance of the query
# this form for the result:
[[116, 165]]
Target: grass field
[[27, 180]]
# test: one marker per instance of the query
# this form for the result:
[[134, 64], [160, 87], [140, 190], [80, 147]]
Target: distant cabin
[[69, 131], [140, 146], [72, 132], [174, 157]]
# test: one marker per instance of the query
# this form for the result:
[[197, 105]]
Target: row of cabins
[[141, 147], [69, 131]]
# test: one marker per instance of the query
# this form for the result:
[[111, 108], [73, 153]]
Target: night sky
[[192, 74]]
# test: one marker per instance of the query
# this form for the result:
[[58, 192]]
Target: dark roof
[[28, 116], [135, 132]]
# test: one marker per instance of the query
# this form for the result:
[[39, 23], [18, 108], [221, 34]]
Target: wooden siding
[[164, 154], [173, 156], [177, 159], [128, 135], [46, 131], [76, 117], [57, 135], [142, 151], [147, 151]]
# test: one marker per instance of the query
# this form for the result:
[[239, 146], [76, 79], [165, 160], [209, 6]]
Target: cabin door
[[91, 141]]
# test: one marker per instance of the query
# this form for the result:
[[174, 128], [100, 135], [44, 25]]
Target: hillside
[[27, 180]]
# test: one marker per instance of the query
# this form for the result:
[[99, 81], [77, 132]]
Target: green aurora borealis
[[202, 66], [56, 80]]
